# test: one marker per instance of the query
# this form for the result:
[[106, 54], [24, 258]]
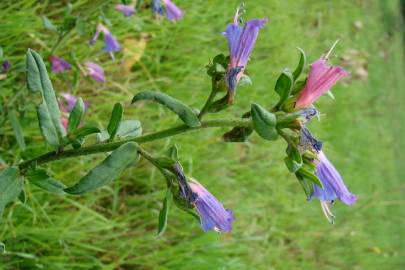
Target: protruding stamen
[[327, 212], [331, 49]]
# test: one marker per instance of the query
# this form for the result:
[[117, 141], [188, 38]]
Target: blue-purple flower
[[333, 186], [6, 66], [212, 213], [241, 40], [95, 71], [111, 44], [58, 64], [127, 10], [173, 13]]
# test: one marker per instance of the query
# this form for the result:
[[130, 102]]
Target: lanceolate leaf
[[264, 122], [109, 169], [84, 131], [129, 128], [115, 120], [19, 136], [284, 85], [185, 113], [10, 186], [164, 213], [40, 178], [48, 111], [76, 115], [301, 64]]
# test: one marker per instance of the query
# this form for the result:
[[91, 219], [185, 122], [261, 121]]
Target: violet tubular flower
[[59, 65], [157, 7], [321, 78], [212, 213], [173, 13], [241, 40], [333, 186], [111, 44], [95, 71], [126, 10]]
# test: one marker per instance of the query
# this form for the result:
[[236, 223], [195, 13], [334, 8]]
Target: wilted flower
[[241, 41], [6, 66], [110, 42], [333, 186], [95, 71], [127, 10], [173, 13], [322, 77], [157, 7], [58, 64], [212, 213]]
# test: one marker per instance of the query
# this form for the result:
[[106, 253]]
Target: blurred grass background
[[275, 228]]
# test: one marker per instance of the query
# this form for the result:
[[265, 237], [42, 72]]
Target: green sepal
[[293, 160], [164, 213]]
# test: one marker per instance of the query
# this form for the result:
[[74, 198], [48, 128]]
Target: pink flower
[[95, 71], [127, 10], [322, 77]]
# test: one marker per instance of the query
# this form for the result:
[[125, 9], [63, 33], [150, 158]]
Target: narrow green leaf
[[301, 64], [2, 248], [40, 178], [284, 86], [172, 152], [48, 111], [109, 169], [164, 213], [85, 131], [48, 24], [129, 128], [115, 120], [15, 123], [185, 113], [10, 186], [76, 115], [264, 122]]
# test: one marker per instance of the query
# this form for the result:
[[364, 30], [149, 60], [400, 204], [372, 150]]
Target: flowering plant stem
[[110, 146], [210, 98]]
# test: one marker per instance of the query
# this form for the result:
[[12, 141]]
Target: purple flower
[[321, 78], [69, 101], [241, 40], [58, 64], [212, 213], [173, 13], [6, 65], [333, 186], [95, 71], [111, 43], [127, 10]]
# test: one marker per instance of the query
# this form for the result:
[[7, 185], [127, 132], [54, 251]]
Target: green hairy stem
[[110, 146]]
